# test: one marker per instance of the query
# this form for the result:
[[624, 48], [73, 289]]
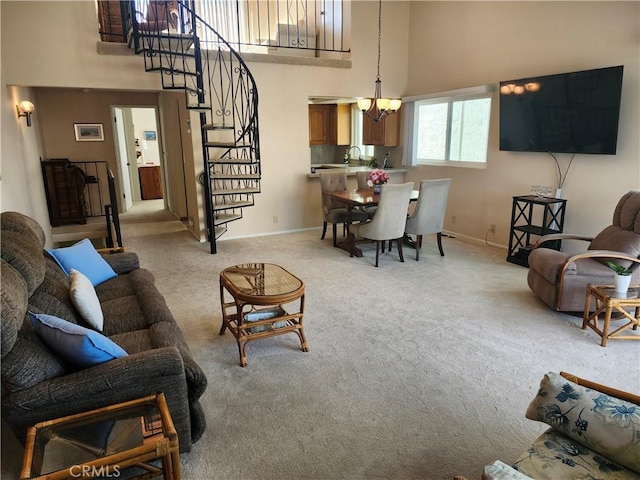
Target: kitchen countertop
[[350, 169]]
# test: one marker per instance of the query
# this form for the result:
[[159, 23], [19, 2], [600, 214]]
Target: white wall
[[461, 44], [144, 120], [21, 184], [447, 45], [62, 53]]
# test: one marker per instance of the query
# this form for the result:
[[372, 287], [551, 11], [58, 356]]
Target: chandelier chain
[[379, 34]]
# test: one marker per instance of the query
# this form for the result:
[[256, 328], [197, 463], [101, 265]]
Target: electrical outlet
[[275, 219], [493, 228]]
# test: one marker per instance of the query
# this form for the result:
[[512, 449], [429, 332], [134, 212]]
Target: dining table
[[363, 197]]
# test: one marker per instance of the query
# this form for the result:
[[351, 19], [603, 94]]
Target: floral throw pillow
[[602, 423]]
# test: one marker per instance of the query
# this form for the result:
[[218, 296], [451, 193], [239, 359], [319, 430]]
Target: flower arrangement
[[377, 177]]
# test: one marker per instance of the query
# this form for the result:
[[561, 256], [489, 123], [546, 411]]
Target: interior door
[[122, 155]]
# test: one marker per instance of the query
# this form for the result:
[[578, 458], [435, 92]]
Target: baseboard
[[446, 233], [281, 232], [473, 240]]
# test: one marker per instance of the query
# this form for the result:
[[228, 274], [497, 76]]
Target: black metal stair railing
[[191, 56]]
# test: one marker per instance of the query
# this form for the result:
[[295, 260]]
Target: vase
[[377, 188], [621, 283]]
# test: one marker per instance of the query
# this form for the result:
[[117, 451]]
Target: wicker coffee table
[[259, 293], [104, 442], [607, 301]]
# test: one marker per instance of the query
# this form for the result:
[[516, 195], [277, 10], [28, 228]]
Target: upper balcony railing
[[252, 26]]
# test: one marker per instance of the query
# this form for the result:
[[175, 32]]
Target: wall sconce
[[25, 109]]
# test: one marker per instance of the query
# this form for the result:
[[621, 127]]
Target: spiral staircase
[[191, 56]]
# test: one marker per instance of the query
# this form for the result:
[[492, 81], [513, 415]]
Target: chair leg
[[440, 244], [335, 233], [352, 243], [399, 240], [418, 246], [324, 230], [378, 250]]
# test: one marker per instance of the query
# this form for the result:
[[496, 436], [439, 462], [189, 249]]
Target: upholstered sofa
[[594, 434], [40, 382]]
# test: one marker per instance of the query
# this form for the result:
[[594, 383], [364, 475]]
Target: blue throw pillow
[[78, 345], [83, 257]]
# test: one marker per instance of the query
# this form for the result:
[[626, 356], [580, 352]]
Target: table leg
[[605, 328], [349, 245], [587, 304], [224, 313]]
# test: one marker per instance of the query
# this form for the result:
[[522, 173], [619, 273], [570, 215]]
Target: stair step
[[235, 176], [171, 71], [181, 87], [236, 191], [165, 35], [228, 206], [201, 108], [219, 231], [223, 218], [169, 52], [225, 145], [217, 126], [233, 161], [220, 144]]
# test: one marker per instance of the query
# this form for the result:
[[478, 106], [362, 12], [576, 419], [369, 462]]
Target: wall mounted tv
[[574, 112]]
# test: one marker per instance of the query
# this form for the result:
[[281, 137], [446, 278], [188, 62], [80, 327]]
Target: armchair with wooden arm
[[560, 279]]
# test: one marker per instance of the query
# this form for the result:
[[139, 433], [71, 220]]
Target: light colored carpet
[[416, 370]]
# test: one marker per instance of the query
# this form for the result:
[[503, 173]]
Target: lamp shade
[[26, 107], [382, 103], [364, 104], [394, 104]]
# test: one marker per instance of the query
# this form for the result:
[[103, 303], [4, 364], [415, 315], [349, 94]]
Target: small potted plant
[[622, 278]]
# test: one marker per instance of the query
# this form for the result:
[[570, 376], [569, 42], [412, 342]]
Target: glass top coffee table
[[259, 293], [104, 442]]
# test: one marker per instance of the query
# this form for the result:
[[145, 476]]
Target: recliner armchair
[[560, 280]]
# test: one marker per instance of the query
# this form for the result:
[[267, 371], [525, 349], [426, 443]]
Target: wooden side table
[[260, 285], [608, 301], [104, 442]]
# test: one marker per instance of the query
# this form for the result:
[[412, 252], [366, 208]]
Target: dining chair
[[428, 216], [389, 221], [335, 212], [361, 179]]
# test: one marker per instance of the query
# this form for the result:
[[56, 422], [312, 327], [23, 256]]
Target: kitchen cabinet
[[329, 124], [150, 182], [385, 133]]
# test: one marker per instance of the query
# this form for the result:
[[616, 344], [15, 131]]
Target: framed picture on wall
[[150, 135], [88, 132]]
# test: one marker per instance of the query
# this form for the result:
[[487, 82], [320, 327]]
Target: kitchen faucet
[[347, 154]]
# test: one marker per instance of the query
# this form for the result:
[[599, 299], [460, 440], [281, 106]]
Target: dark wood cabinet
[[150, 182], [64, 185], [385, 133]]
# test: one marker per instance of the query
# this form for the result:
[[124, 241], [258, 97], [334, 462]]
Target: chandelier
[[378, 107]]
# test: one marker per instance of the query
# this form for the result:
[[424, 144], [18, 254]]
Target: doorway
[[139, 154]]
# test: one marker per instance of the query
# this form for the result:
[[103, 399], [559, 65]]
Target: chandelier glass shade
[[378, 107]]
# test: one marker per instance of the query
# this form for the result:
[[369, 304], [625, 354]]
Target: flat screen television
[[574, 112]]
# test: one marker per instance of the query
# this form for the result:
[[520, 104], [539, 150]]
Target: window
[[356, 132], [451, 129]]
